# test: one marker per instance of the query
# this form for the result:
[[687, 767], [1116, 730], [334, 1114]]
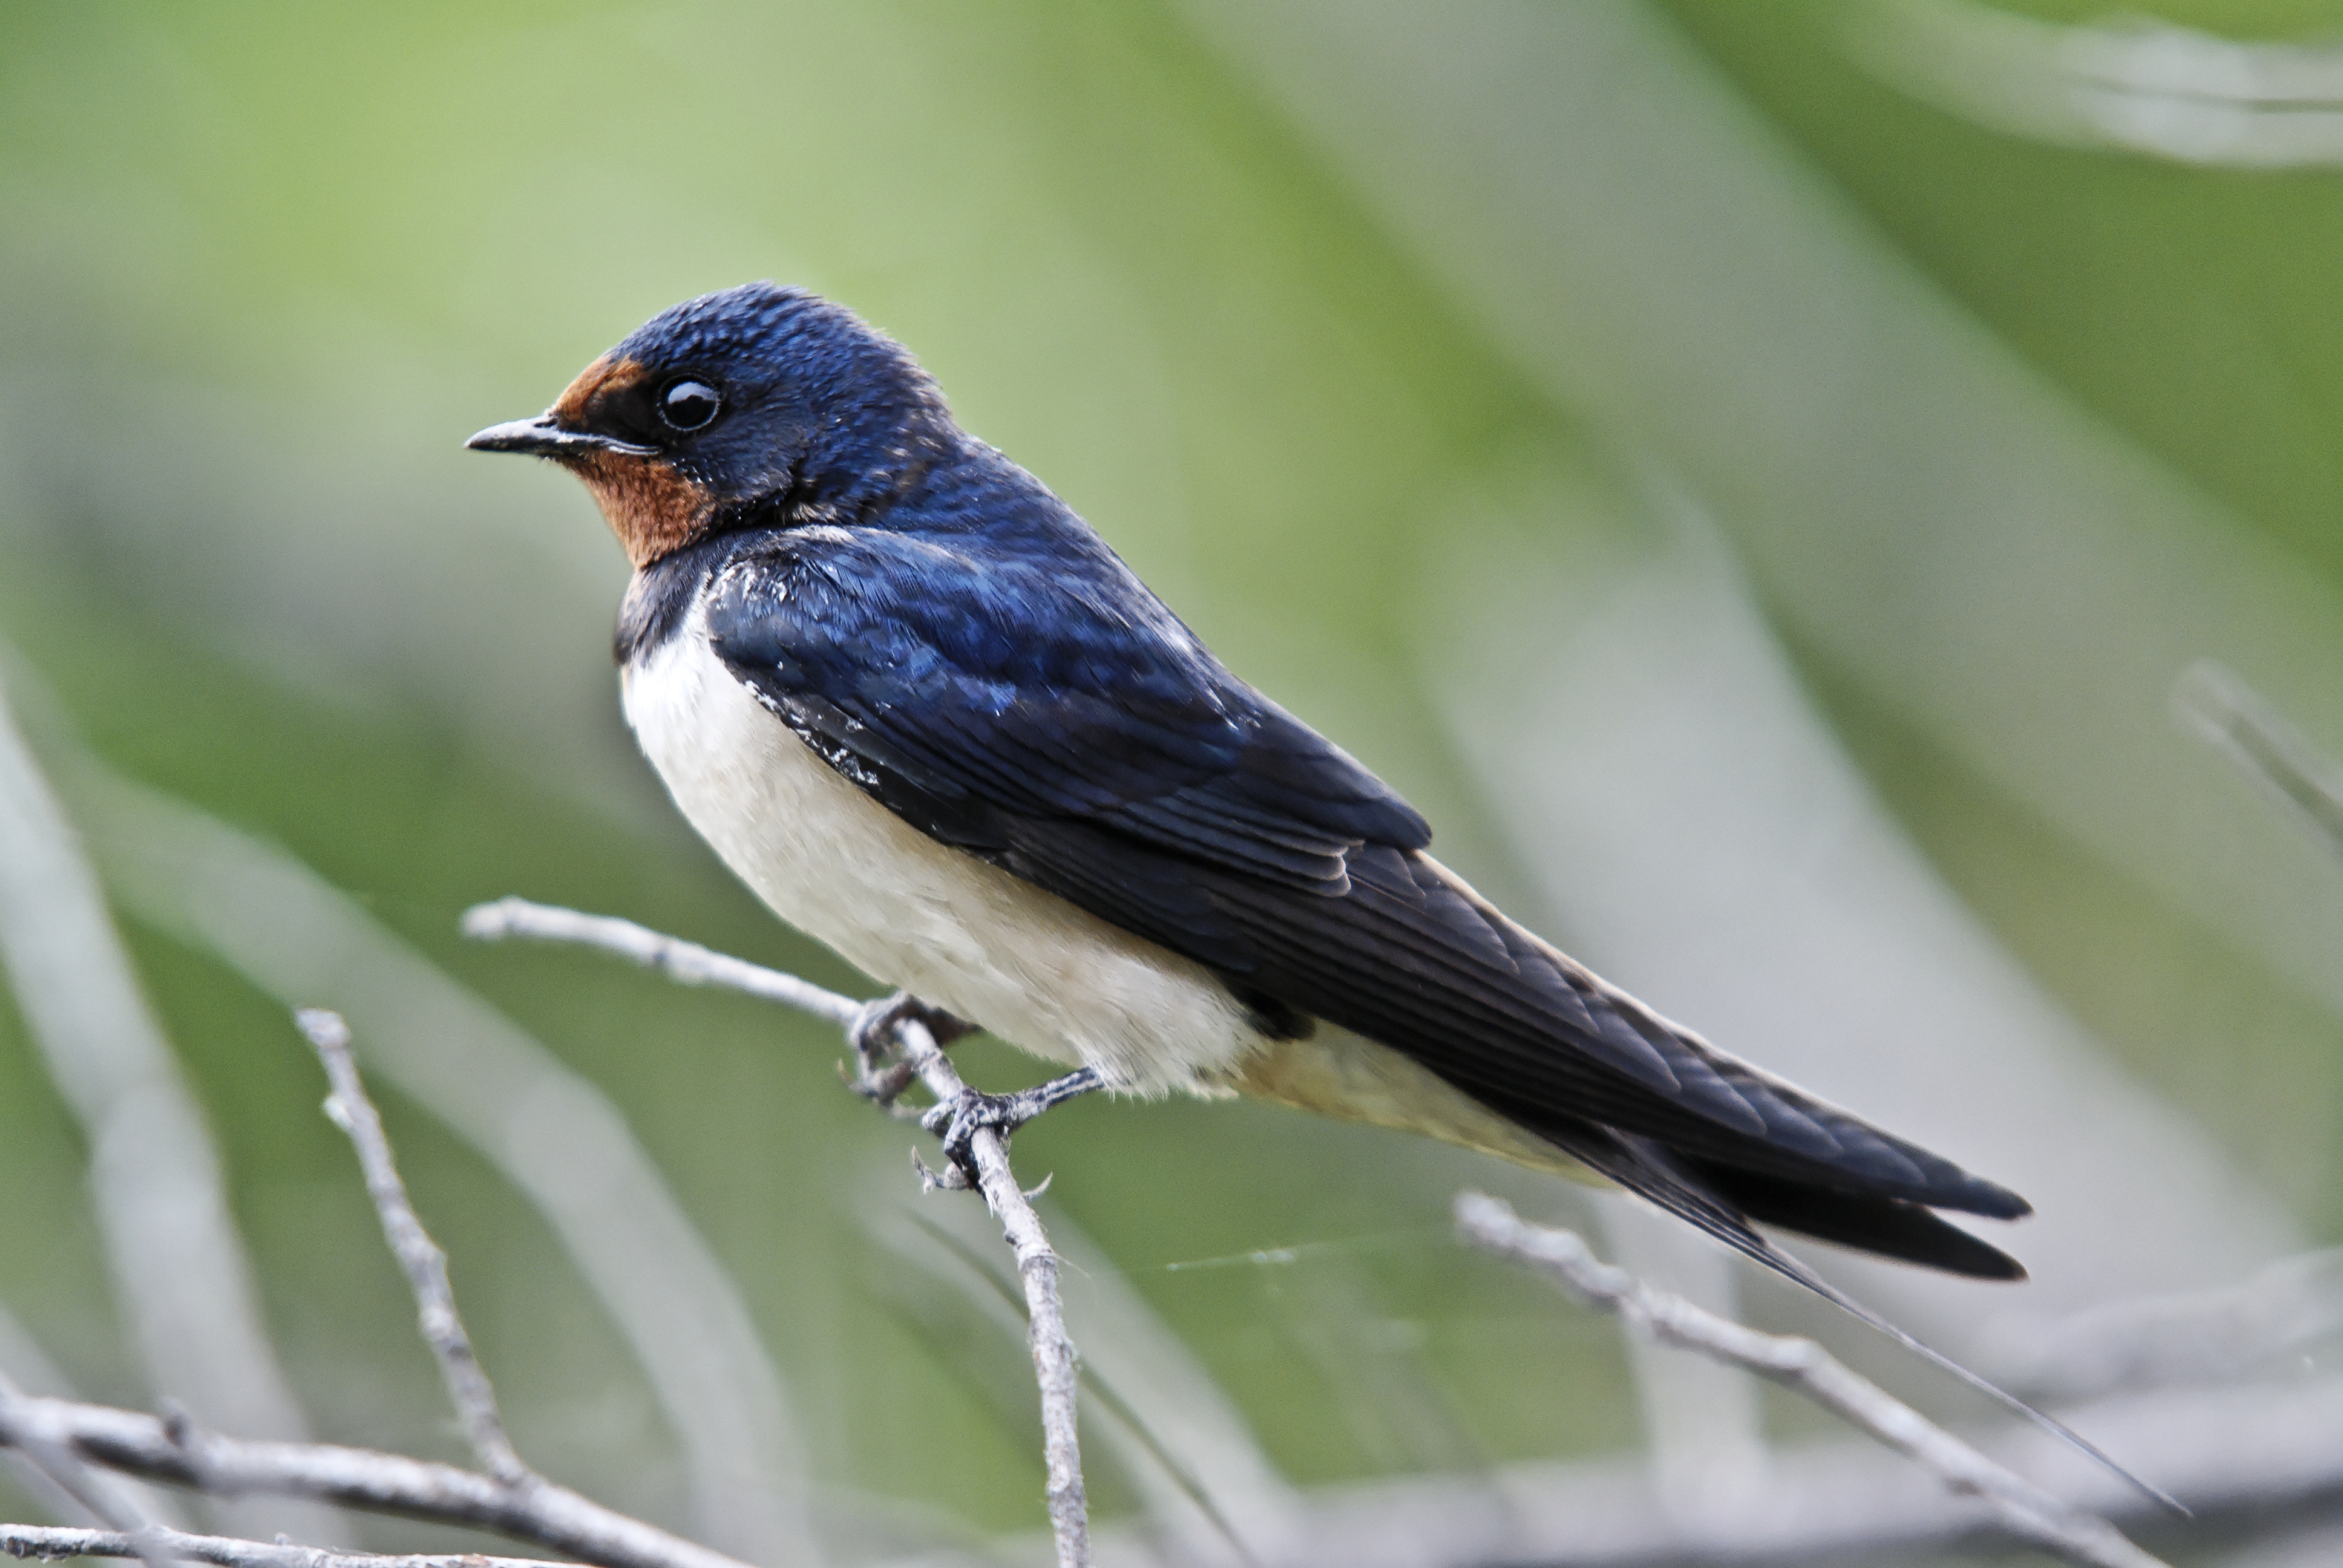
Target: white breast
[[1026, 965]]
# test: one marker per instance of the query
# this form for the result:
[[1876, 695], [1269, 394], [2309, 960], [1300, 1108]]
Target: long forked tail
[[1724, 1209]]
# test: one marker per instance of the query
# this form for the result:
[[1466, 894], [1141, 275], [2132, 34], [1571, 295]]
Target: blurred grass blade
[[2131, 84], [2214, 704], [179, 1261], [1334, 1314]]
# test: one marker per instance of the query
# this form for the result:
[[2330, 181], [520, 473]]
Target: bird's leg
[[958, 1121], [873, 1035]]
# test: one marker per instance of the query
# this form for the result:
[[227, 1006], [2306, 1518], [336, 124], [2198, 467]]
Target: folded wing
[[1112, 761]]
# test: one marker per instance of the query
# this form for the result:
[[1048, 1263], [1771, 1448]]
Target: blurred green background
[[1343, 325]]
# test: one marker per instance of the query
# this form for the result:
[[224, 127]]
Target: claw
[[872, 1034], [883, 1089], [958, 1121]]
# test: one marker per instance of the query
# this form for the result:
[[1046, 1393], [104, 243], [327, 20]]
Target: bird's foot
[[958, 1121], [880, 1074]]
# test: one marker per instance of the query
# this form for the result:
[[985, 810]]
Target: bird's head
[[757, 405]]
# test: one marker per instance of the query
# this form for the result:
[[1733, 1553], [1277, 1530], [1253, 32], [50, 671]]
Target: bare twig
[[1054, 1359], [1054, 1362], [561, 1141], [43, 1543], [180, 1454], [45, 1452], [60, 1435], [425, 1265], [2249, 1458], [687, 963], [1806, 1368]]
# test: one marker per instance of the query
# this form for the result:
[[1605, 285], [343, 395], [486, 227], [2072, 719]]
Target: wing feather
[[1106, 756]]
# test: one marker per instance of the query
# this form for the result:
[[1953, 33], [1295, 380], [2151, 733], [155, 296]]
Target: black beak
[[544, 438]]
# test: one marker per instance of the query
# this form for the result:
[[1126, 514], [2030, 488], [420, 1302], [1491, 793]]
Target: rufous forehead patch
[[600, 379]]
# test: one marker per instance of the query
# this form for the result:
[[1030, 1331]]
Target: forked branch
[[61, 1436], [1055, 1365]]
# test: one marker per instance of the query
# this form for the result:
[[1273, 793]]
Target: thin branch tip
[[486, 922], [426, 1266], [1806, 1368], [324, 1028]]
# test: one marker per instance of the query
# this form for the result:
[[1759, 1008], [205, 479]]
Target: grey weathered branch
[[687, 963], [49, 1544], [47, 1457], [1806, 1368], [2245, 1457], [61, 1436], [294, 936], [1055, 1365], [178, 1453], [469, 1390]]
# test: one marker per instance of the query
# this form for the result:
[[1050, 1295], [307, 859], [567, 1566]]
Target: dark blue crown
[[761, 334]]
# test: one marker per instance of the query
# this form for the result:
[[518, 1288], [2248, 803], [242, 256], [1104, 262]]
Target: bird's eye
[[689, 405]]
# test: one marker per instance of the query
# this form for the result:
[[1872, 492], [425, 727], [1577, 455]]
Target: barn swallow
[[925, 712]]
